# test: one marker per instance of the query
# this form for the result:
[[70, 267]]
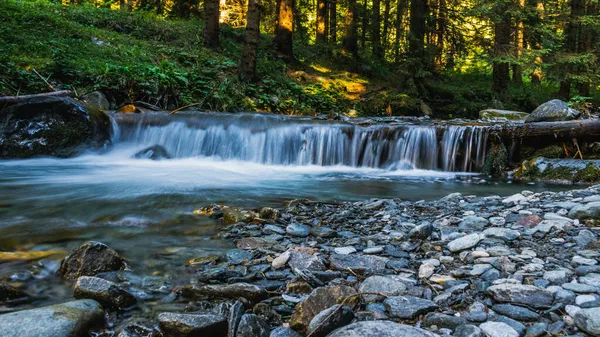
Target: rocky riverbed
[[524, 265]]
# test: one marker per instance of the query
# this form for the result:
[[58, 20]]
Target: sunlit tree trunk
[[350, 42], [284, 30], [517, 70], [321, 21], [386, 25], [211, 23], [400, 12], [376, 29], [332, 21], [248, 67], [502, 40], [416, 38], [441, 30]]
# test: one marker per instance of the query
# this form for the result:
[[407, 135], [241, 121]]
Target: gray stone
[[330, 319], [553, 111], [107, 293], [586, 239], [344, 250], [525, 295], [305, 261], [587, 320], [298, 230], [502, 233], [584, 212], [408, 307], [235, 315], [382, 285], [189, 325], [465, 242], [12, 295], [273, 229], [556, 276], [498, 329], [536, 330], [358, 263], [96, 99], [580, 288], [516, 312], [442, 321], [234, 291], [468, 330], [252, 325], [154, 152], [319, 299], [472, 223], [90, 259], [323, 232], [591, 279], [501, 115], [284, 332], [62, 320], [421, 232], [379, 329]]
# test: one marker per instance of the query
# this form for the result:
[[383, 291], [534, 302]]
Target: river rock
[[502, 233], [51, 126], [190, 325], [501, 115], [90, 259], [358, 263], [154, 152], [233, 215], [62, 320], [472, 223], [498, 329], [248, 291], [553, 111], [298, 230], [587, 320], [440, 321], [96, 99], [284, 332], [107, 293], [12, 295], [330, 319], [384, 285], [252, 325], [379, 329], [526, 295], [468, 330], [588, 211], [465, 242], [516, 312], [408, 307], [262, 244], [319, 299]]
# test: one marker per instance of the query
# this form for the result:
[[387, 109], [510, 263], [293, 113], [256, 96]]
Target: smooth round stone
[[373, 250], [298, 230], [344, 250]]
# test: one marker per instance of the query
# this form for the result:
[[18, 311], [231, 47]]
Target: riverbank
[[522, 265]]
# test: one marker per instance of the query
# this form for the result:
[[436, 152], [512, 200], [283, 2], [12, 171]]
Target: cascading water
[[276, 140]]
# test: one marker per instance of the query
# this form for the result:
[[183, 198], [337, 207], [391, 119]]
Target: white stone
[[344, 250], [498, 329]]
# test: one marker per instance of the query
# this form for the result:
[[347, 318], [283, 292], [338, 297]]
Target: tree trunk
[[400, 9], [350, 43], [321, 20], [440, 31], [572, 39], [586, 43], [284, 30], [536, 7], [519, 42], [248, 67], [501, 69], [365, 24], [332, 21], [418, 13], [376, 29], [211, 23], [386, 25]]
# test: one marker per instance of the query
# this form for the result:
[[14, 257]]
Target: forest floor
[[141, 56]]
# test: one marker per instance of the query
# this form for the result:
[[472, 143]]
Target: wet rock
[[305, 261], [502, 233], [252, 325], [96, 99], [284, 332], [442, 321], [516, 312], [586, 239], [501, 115], [233, 215], [498, 329], [468, 330], [379, 329], [189, 325], [588, 211], [358, 263], [525, 295], [587, 320], [421, 232], [320, 299], [12, 295], [52, 126], [107, 293], [323, 232], [536, 330], [330, 319], [139, 329], [381, 285], [553, 111], [235, 315], [298, 230], [465, 242], [408, 307], [62, 320], [234, 291], [90, 259], [154, 152]]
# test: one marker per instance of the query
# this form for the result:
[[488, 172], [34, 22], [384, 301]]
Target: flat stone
[[330, 319], [498, 329], [556, 276], [472, 223], [280, 261], [583, 261], [465, 242], [262, 244], [234, 291], [516, 312], [584, 212], [502, 233], [440, 321], [344, 250], [525, 295], [379, 329], [426, 270], [189, 325], [358, 263], [467, 330], [107, 293], [298, 230], [319, 299], [382, 285], [587, 320], [235, 315], [580, 288], [591, 279], [408, 307], [515, 198], [305, 261], [62, 320]]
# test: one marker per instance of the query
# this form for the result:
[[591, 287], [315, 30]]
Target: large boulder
[[51, 126], [96, 99], [90, 259], [62, 320], [553, 111]]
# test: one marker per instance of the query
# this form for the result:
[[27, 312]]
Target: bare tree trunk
[[350, 42], [248, 67], [501, 69], [400, 10], [534, 39], [321, 20], [519, 42], [284, 30], [211, 23], [416, 39], [376, 29], [332, 21], [365, 24], [386, 25]]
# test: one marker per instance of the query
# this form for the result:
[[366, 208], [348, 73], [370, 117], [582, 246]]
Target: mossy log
[[584, 129]]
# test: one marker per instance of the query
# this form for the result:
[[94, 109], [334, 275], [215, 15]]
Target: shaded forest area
[[445, 58]]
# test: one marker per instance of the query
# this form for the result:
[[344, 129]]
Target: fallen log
[[586, 128], [15, 99]]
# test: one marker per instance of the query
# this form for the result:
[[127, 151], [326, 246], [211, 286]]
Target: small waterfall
[[278, 140]]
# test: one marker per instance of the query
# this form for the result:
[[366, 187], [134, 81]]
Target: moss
[[590, 174], [552, 151]]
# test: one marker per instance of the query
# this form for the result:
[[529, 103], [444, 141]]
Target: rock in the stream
[[107, 293], [62, 320], [588, 320], [235, 315], [154, 152], [330, 319], [408, 307], [587, 211], [298, 230], [248, 291], [320, 299], [90, 259], [526, 295], [379, 329], [252, 325], [96, 99], [12, 295], [51, 126], [261, 244], [553, 111], [191, 325]]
